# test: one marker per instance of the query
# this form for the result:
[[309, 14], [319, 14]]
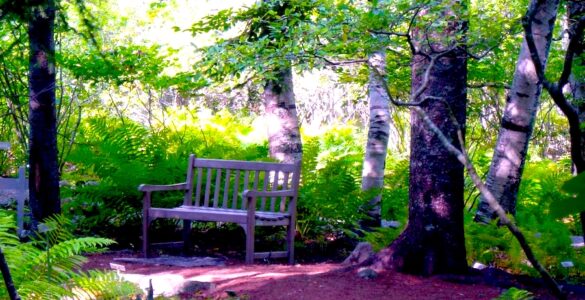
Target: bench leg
[[145, 224], [187, 245], [249, 243], [290, 242]]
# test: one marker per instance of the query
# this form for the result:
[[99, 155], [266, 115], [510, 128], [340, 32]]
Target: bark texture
[[44, 169], [284, 138], [433, 242], [377, 142], [522, 102]]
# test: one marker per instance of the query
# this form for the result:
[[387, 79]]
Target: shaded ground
[[323, 281]]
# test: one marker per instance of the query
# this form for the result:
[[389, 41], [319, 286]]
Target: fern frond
[[102, 285]]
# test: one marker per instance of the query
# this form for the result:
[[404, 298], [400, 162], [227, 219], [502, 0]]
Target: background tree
[[44, 169], [555, 89], [517, 122], [263, 52]]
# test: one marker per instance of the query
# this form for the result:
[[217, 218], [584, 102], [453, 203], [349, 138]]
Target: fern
[[48, 267], [515, 294]]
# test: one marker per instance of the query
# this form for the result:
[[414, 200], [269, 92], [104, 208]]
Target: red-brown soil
[[323, 281]]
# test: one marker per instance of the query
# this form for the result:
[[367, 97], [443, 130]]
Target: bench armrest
[[254, 194], [168, 187]]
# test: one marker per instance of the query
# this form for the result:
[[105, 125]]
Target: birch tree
[[517, 123]]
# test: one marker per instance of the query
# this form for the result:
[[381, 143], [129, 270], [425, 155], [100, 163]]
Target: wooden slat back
[[189, 193], [225, 180]]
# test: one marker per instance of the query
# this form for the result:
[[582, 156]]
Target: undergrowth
[[113, 156]]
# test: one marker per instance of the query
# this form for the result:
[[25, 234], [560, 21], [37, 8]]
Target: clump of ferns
[[49, 265]]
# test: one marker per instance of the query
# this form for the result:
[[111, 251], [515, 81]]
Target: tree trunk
[[8, 282], [505, 172], [44, 169], [284, 137], [433, 242], [377, 143]]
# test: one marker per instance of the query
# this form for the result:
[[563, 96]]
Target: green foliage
[[549, 237], [331, 199], [113, 156], [380, 238], [395, 193], [48, 267], [515, 294], [575, 202]]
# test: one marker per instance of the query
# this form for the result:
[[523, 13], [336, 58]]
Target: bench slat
[[189, 193], [242, 165], [255, 184], [207, 187], [198, 188], [265, 188], [284, 186], [236, 189], [226, 188], [273, 254], [217, 215], [217, 184], [246, 182], [274, 187]]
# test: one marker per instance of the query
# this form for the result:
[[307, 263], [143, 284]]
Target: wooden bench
[[246, 193], [19, 186]]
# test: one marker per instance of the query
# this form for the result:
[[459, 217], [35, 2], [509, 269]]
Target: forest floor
[[232, 279]]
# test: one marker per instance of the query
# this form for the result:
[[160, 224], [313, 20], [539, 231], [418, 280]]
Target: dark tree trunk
[[12, 291], [522, 102], [284, 138], [433, 242], [44, 169], [577, 10]]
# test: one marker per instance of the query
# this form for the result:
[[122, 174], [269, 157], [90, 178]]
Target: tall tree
[[517, 123], [433, 242], [44, 169], [262, 52], [378, 133], [284, 136]]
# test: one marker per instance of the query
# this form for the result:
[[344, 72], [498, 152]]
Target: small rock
[[367, 273], [192, 286], [362, 253], [577, 241], [391, 223], [117, 267], [567, 264], [478, 266]]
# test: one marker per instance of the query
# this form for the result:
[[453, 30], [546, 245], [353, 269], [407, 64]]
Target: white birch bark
[[522, 102], [378, 132], [284, 138]]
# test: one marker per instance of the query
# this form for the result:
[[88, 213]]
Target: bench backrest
[[19, 186], [220, 183]]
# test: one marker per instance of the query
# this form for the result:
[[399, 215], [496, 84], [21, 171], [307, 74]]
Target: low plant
[[49, 265]]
